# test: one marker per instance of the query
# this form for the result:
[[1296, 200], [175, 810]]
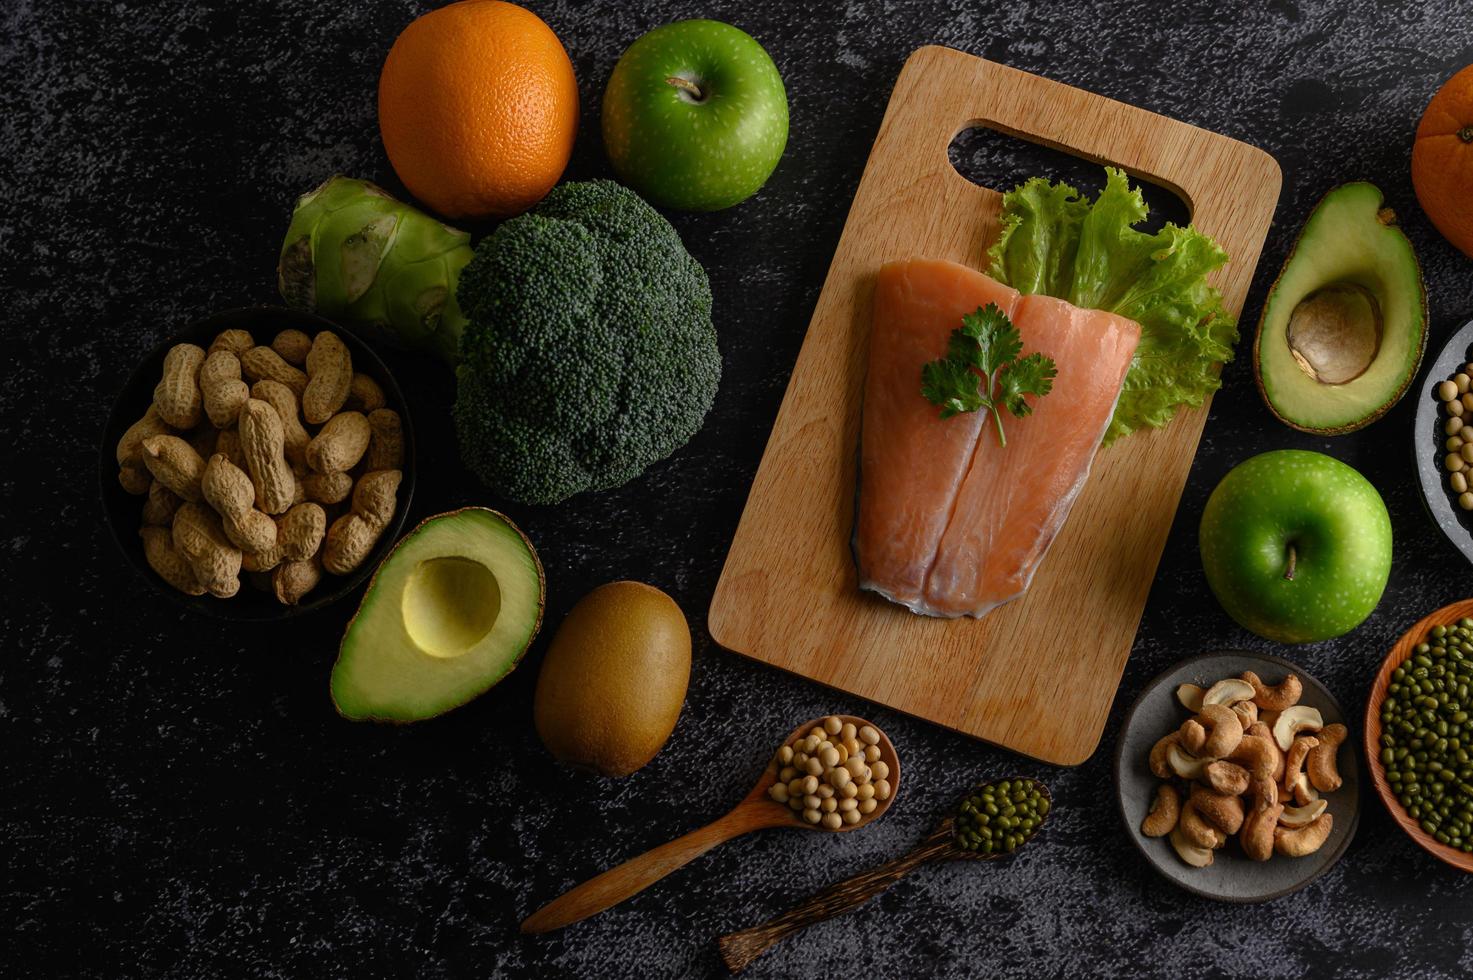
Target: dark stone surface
[[177, 798]]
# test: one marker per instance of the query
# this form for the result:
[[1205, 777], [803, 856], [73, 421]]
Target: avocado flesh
[[1345, 324], [448, 614]]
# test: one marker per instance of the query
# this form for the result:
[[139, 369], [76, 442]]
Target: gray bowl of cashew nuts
[[1232, 876]]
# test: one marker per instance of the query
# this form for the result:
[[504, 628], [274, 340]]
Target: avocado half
[[448, 614], [1345, 324]]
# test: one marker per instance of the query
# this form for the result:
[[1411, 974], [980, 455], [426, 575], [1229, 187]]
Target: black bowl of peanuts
[[1442, 442], [259, 465]]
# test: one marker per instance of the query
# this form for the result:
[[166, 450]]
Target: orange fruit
[[478, 109], [1442, 160]]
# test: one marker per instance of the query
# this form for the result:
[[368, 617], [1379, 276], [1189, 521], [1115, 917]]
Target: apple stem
[[1293, 557], [689, 88]]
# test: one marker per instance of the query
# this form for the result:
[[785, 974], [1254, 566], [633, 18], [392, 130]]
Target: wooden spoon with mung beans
[[757, 811], [956, 838]]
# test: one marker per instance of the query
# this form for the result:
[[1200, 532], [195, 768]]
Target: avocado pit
[[1334, 333], [449, 604]]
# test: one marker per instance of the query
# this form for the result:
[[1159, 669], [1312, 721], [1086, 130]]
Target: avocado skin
[[1374, 220]]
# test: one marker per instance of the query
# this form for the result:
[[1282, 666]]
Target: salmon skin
[[948, 522]]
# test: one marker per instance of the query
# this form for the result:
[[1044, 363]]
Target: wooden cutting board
[[1038, 674]]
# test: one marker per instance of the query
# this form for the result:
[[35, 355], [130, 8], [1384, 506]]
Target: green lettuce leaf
[[1056, 242], [1040, 232]]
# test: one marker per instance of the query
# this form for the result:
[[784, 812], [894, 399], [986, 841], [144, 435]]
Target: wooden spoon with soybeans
[[961, 835], [815, 753]]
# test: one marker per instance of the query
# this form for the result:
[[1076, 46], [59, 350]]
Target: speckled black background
[[177, 797]]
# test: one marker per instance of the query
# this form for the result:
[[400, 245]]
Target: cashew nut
[[1303, 792], [1193, 735], [1223, 812], [1283, 695], [1294, 817], [1258, 755], [1159, 766], [1228, 692], [1184, 764], [1322, 766], [1165, 810], [1226, 731], [1298, 752], [1190, 696], [1265, 792], [1197, 857], [1197, 830], [1292, 721], [1305, 840], [1262, 730], [1247, 713], [1257, 836], [1227, 778]]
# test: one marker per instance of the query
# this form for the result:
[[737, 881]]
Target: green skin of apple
[[695, 116], [1315, 508]]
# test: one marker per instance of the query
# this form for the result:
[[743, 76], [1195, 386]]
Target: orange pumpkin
[[1442, 160]]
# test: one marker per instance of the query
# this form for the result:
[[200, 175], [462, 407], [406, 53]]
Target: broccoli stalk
[[356, 254]]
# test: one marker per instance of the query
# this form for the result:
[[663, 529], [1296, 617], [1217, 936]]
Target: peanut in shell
[[175, 464], [262, 441], [329, 376], [177, 395], [340, 443], [165, 559]]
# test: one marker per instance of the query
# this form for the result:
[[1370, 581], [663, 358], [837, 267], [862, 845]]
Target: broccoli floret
[[589, 351]]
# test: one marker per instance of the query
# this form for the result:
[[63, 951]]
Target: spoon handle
[[637, 874], [740, 948]]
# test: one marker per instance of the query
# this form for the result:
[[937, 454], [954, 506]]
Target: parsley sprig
[[982, 370]]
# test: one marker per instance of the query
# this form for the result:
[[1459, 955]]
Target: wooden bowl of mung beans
[[1418, 716]]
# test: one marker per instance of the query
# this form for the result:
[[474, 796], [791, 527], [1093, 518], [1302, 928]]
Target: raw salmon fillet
[[950, 523], [911, 462]]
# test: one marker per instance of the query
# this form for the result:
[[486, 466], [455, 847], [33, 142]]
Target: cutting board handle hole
[[1001, 162]]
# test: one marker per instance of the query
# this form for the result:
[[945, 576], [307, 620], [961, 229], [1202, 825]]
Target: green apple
[[1296, 546], [695, 116]]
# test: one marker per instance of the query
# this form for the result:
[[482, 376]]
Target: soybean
[[832, 774], [1457, 399]]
